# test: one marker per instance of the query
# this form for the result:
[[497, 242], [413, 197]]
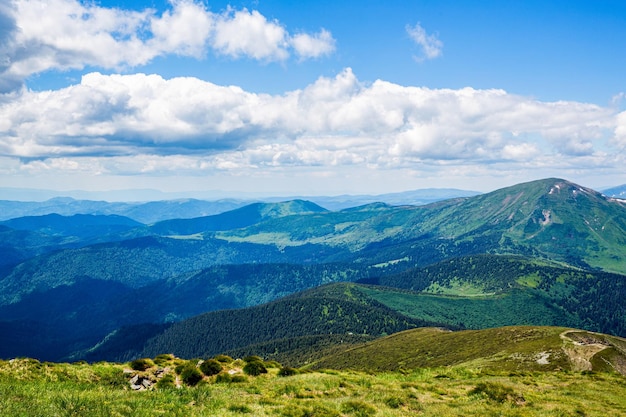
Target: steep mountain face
[[557, 219]]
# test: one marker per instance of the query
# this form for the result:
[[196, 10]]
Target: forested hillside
[[329, 310], [76, 280]]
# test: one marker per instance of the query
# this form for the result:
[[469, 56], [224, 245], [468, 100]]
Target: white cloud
[[619, 138], [42, 35], [244, 33], [308, 46], [430, 44], [184, 30], [145, 124]]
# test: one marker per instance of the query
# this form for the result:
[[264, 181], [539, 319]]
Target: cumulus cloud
[[620, 131], [40, 35], [430, 44], [313, 46], [244, 33], [146, 124]]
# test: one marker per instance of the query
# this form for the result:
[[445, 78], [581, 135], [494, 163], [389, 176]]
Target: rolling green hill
[[328, 310], [143, 212], [491, 290], [80, 226], [522, 348], [166, 385], [71, 318], [26, 237], [475, 292], [235, 219]]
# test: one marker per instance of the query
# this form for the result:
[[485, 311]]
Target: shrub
[[254, 368], [226, 378], [252, 358], [238, 378], [287, 371], [210, 367], [191, 375], [272, 364], [107, 375], [223, 358], [167, 382], [223, 378], [163, 358], [141, 364]]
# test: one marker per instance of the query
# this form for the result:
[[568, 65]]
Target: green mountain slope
[[554, 221], [147, 213], [76, 316], [329, 310], [490, 290], [235, 219], [177, 387], [82, 226], [522, 348], [26, 237], [551, 218], [473, 292], [139, 262]]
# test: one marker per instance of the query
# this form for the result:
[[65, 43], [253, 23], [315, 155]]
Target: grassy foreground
[[31, 388]]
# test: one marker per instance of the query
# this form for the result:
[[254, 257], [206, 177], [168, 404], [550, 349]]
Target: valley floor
[[30, 388]]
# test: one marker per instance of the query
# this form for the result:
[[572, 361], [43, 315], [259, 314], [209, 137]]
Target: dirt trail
[[580, 352]]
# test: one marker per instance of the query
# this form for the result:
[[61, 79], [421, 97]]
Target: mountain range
[[25, 203], [102, 285]]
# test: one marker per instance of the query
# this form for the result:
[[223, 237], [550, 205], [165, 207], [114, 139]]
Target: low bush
[[226, 378], [210, 367], [223, 358], [141, 364], [191, 375], [167, 382], [163, 358], [254, 368], [223, 378], [110, 376], [238, 378], [272, 364], [287, 371]]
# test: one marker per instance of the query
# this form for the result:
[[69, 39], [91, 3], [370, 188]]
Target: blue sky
[[311, 97]]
